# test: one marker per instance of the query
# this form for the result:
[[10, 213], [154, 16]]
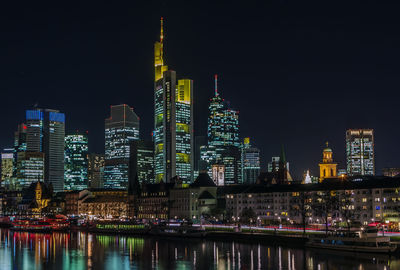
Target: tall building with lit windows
[[20, 138], [223, 140], [250, 162], [223, 122], [76, 162], [142, 161], [30, 169], [360, 152], [120, 129], [173, 121], [45, 132], [95, 170], [7, 165]]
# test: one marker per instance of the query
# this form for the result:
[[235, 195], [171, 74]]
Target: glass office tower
[[223, 139], [120, 129], [173, 121], [360, 152], [45, 133], [250, 162], [76, 162], [95, 170]]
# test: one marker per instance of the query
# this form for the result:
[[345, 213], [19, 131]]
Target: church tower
[[327, 168]]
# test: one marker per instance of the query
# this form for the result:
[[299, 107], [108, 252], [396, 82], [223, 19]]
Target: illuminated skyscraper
[[120, 129], [360, 152], [45, 133], [30, 168], [250, 162], [20, 138], [173, 121], [7, 165], [76, 162], [223, 140], [223, 122], [141, 162], [95, 170]]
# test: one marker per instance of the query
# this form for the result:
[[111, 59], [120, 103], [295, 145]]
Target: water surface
[[81, 250]]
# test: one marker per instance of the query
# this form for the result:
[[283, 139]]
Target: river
[[81, 250]]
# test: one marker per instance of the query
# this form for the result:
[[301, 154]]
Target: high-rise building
[[223, 122], [223, 140], [199, 141], [231, 159], [7, 165], [45, 133], [76, 162], [121, 128], [173, 121], [327, 168], [141, 162], [95, 170], [250, 162], [20, 138], [360, 152], [30, 168]]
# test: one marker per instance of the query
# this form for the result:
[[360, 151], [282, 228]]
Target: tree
[[346, 206], [300, 206], [218, 212], [323, 205], [248, 216]]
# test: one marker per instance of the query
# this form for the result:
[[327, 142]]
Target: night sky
[[299, 74]]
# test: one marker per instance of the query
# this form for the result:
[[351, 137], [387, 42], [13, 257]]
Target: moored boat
[[120, 227], [5, 222], [180, 231], [58, 222], [31, 225], [353, 242]]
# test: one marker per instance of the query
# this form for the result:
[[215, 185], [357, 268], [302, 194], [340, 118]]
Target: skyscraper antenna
[[216, 84], [161, 41], [162, 30]]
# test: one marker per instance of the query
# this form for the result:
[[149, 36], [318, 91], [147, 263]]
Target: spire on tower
[[216, 84], [162, 30]]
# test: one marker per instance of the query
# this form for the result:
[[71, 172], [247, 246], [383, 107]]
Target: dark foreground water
[[89, 251]]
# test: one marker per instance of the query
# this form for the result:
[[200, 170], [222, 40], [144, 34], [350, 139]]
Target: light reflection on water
[[89, 251]]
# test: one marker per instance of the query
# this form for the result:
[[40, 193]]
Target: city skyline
[[297, 104]]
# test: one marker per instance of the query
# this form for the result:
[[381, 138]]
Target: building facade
[[141, 163], [154, 201], [95, 170], [30, 168], [250, 162], [121, 128], [360, 152], [173, 121], [7, 166], [76, 162], [360, 202], [195, 201], [45, 133]]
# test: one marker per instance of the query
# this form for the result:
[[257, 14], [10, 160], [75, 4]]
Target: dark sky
[[300, 74]]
